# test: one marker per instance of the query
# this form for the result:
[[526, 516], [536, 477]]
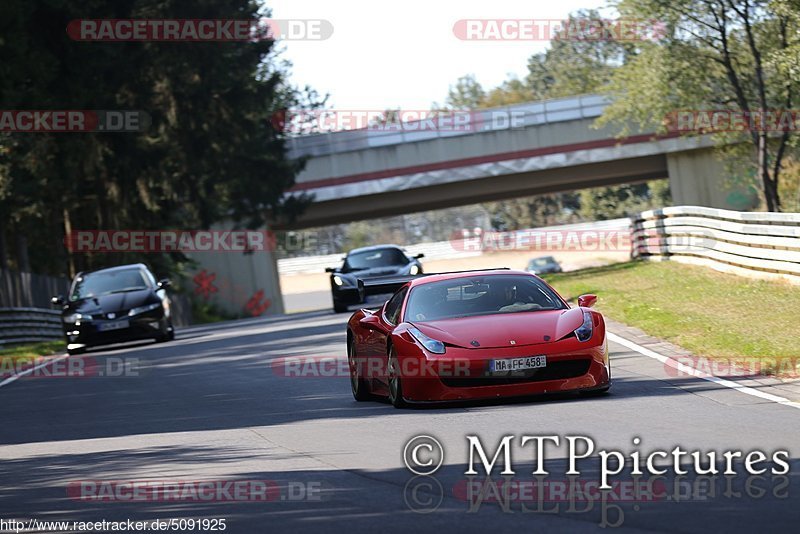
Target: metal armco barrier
[[26, 325], [761, 245]]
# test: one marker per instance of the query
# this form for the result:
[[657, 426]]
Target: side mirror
[[330, 270], [420, 255], [58, 300], [371, 322], [164, 283], [587, 301]]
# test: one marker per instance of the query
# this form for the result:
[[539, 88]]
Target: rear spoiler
[[383, 285], [390, 284]]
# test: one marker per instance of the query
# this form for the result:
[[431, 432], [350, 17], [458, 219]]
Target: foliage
[[211, 154], [732, 55]]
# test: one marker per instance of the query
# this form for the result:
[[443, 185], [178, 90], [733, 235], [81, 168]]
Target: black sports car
[[368, 263], [122, 303]]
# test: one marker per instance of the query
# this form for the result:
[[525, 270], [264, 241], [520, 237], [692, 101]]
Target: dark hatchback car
[[543, 265], [369, 263], [113, 305]]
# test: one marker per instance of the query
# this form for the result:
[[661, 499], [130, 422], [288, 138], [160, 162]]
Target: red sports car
[[475, 335]]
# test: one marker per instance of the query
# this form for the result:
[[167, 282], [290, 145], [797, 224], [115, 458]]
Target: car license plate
[[116, 325], [517, 364]]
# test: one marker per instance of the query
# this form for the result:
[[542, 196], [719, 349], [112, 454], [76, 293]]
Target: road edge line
[[666, 360], [13, 378]]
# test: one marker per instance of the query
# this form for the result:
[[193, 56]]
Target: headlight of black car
[[142, 309]]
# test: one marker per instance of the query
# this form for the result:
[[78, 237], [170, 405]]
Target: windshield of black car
[[481, 295], [106, 283], [370, 259]]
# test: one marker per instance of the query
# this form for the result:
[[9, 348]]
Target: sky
[[386, 55]]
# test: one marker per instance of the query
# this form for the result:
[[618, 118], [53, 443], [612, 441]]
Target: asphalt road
[[213, 406]]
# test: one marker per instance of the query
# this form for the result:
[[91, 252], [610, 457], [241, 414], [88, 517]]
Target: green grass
[[711, 314], [16, 355]]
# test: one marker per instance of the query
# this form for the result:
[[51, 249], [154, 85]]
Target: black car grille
[[556, 370]]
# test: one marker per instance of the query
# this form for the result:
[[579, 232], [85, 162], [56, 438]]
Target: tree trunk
[[769, 184], [67, 238]]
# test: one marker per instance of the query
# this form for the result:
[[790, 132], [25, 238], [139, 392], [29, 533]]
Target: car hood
[[115, 303], [494, 331]]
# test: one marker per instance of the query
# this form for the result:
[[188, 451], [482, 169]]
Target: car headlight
[[584, 331], [433, 345], [142, 309], [75, 317], [338, 280], [414, 270]]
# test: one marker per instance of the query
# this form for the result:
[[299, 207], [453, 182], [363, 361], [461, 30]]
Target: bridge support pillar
[[698, 178], [246, 285]]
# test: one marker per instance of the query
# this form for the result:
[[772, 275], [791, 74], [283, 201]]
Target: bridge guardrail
[[482, 120], [27, 325], [764, 245]]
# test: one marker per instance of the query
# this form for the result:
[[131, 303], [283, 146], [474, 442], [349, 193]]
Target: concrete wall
[[241, 284], [698, 178]]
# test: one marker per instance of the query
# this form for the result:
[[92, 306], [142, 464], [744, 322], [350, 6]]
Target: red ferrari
[[475, 335]]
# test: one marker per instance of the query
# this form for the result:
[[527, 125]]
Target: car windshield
[[481, 295], [105, 283], [541, 262], [369, 259]]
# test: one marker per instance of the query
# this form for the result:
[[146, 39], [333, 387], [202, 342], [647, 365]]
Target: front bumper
[[147, 325], [463, 374]]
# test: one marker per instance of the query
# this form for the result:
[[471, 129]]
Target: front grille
[[556, 370]]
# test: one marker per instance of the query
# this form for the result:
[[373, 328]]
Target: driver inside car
[[433, 302]]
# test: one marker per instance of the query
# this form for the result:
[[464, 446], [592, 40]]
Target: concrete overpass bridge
[[514, 151]]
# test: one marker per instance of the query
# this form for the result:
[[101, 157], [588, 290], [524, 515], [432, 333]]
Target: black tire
[[395, 382], [339, 308], [358, 385], [167, 334]]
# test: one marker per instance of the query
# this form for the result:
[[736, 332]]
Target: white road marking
[[14, 378], [700, 374]]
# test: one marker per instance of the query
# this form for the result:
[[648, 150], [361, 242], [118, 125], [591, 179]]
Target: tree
[[714, 55], [573, 66], [211, 154], [466, 94]]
